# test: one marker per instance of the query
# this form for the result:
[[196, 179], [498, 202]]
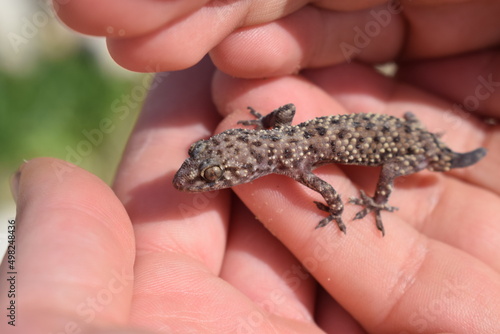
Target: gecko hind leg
[[390, 170], [371, 205]]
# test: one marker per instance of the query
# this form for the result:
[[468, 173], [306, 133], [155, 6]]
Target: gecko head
[[217, 163]]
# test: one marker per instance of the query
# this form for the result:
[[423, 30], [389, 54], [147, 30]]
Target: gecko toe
[[323, 222], [379, 224], [361, 214], [333, 216], [354, 200]]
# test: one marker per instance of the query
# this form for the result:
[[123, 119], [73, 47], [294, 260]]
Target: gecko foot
[[370, 205], [257, 122], [337, 217]]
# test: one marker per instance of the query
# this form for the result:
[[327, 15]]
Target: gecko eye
[[212, 173]]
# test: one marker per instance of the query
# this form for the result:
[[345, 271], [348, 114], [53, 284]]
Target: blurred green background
[[56, 88]]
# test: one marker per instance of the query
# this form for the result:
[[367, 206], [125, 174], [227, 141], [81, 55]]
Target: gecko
[[401, 146]]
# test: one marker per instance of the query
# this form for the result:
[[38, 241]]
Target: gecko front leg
[[277, 118], [334, 203]]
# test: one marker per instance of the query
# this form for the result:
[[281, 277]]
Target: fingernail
[[14, 182]]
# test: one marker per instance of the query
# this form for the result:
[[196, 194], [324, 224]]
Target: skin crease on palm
[[201, 262]]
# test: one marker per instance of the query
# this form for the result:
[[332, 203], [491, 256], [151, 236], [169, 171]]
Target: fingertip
[[258, 52]]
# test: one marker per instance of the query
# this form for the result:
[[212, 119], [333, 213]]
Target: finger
[[153, 41], [373, 33], [177, 46], [180, 237], [177, 112], [122, 19], [470, 81], [159, 36], [258, 265], [310, 38], [191, 35], [443, 29], [74, 251], [332, 318]]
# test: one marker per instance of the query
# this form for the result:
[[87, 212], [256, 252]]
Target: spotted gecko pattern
[[400, 146]]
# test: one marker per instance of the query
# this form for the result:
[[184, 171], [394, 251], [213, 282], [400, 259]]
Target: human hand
[[256, 39], [202, 262]]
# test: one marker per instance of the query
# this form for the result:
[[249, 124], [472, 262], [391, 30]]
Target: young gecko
[[400, 146]]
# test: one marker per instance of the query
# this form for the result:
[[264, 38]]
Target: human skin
[[202, 262], [263, 38]]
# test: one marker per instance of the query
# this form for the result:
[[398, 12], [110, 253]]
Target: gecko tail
[[460, 160]]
